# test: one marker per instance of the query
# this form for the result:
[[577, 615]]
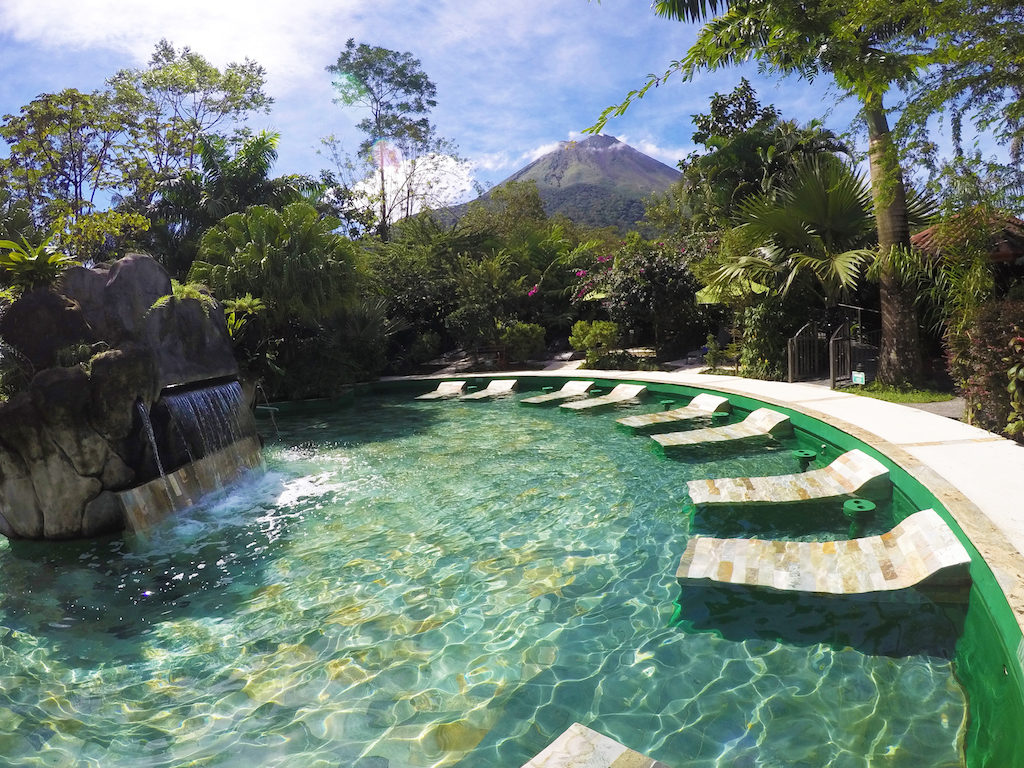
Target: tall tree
[[64, 150], [868, 50], [398, 95], [173, 102], [748, 149]]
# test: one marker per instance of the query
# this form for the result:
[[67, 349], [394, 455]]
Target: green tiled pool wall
[[989, 658]]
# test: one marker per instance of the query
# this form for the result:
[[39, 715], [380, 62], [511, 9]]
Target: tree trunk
[[899, 359], [383, 226]]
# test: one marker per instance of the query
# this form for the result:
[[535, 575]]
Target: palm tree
[[226, 183], [819, 227], [866, 52]]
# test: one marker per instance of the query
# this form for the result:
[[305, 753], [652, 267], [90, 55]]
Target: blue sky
[[513, 79]]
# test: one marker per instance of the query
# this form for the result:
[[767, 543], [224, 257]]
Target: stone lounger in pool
[[764, 422], [702, 405], [568, 391], [496, 388], [852, 473], [445, 389], [620, 394], [921, 550], [581, 747]]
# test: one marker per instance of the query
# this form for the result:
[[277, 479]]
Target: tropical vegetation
[[366, 270]]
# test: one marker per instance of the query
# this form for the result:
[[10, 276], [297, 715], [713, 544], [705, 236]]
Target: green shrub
[[425, 347], [713, 354], [980, 359], [766, 329], [594, 335], [522, 341]]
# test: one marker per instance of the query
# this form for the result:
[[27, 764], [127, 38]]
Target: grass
[[900, 394]]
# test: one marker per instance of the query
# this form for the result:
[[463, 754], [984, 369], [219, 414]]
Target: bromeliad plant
[[25, 266]]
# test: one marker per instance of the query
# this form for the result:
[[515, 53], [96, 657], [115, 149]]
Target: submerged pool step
[[581, 747], [920, 551], [702, 405], [852, 473], [496, 388], [621, 394], [568, 391], [445, 389], [764, 422]]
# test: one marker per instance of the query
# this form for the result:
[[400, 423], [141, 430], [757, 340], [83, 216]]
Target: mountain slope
[[599, 181]]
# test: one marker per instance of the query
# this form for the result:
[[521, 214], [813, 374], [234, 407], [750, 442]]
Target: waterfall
[[148, 426], [209, 419]]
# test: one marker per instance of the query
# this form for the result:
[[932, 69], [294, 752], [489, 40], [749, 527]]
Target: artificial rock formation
[[74, 436]]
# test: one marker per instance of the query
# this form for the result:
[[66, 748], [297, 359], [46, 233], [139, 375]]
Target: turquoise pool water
[[433, 584]]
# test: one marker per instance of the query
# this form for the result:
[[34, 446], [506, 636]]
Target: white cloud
[[668, 155], [293, 40], [430, 181]]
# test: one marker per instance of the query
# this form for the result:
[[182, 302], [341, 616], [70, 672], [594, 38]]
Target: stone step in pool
[[702, 405], [621, 394], [764, 422], [920, 551], [496, 388], [445, 389], [581, 747], [568, 391], [852, 473]]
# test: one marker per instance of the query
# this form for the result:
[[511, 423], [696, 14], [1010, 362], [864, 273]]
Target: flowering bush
[[649, 290]]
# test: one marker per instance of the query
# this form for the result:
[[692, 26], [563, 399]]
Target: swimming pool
[[428, 584]]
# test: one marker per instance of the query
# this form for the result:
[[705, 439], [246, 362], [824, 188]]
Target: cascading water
[[147, 425], [206, 436], [207, 419]]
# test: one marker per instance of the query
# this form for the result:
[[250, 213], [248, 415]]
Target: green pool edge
[[989, 659]]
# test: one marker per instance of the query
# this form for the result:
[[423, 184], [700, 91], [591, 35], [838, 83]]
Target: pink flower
[[532, 291], [580, 272]]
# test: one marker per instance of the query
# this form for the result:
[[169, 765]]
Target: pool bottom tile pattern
[[921, 549]]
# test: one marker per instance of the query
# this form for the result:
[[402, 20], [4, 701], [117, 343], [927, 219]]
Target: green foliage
[[187, 292], [24, 266], [714, 356], [16, 372], [426, 346], [521, 341], [79, 354], [238, 312], [766, 328], [102, 235], [595, 338], [173, 102], [64, 149], [1015, 387], [649, 290], [867, 49], [816, 228], [227, 182], [901, 394], [486, 289], [291, 258], [980, 360]]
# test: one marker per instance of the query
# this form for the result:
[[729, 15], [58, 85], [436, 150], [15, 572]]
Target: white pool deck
[[978, 476]]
